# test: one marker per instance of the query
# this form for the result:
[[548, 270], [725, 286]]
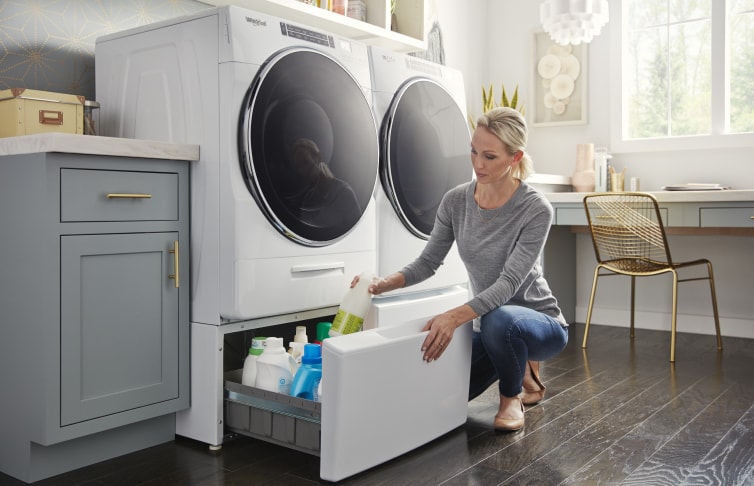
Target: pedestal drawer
[[115, 195]]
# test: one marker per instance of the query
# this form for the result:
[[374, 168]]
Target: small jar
[[91, 117], [339, 6]]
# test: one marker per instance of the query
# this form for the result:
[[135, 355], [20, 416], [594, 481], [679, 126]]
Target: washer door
[[425, 143], [308, 146]]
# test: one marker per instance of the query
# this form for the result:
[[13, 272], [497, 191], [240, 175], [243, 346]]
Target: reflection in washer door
[[425, 152], [308, 146]]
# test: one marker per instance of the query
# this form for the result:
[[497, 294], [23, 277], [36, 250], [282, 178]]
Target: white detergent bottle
[[296, 347], [354, 307], [275, 368], [249, 377]]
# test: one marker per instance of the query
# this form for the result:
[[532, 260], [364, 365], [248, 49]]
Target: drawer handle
[[128, 196], [47, 117], [177, 275]]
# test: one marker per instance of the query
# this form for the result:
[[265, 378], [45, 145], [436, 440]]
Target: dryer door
[[308, 146], [424, 152]]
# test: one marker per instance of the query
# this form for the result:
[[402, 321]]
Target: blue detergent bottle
[[306, 382]]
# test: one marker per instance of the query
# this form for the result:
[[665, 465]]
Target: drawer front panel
[[577, 217], [726, 217], [571, 216], [113, 195]]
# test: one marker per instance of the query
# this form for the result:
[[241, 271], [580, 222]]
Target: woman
[[500, 225]]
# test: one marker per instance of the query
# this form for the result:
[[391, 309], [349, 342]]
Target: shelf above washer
[[375, 31]]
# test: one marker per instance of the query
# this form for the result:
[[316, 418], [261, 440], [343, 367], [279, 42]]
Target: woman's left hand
[[441, 329]]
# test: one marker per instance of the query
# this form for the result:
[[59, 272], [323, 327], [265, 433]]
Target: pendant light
[[573, 21]]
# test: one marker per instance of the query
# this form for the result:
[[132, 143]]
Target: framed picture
[[559, 83]]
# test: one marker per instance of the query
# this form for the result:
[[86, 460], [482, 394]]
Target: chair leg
[[633, 304], [591, 305], [674, 316], [713, 294]]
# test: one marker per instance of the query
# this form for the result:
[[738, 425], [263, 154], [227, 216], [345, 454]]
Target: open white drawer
[[380, 400]]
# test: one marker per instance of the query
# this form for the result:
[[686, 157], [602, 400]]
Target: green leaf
[[488, 102]]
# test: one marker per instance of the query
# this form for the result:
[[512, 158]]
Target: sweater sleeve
[[440, 241]]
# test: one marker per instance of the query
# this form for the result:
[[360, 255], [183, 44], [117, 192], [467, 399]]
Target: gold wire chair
[[629, 239]]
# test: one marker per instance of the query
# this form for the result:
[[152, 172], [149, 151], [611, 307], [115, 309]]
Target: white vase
[[582, 179]]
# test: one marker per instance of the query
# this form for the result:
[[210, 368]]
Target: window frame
[[719, 138]]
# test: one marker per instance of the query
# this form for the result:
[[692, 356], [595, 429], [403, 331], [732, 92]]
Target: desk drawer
[[577, 217], [726, 217], [571, 216], [113, 195]]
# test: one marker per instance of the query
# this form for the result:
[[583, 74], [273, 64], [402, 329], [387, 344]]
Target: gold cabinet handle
[[177, 275], [128, 196]]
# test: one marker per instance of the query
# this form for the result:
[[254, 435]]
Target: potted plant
[[488, 102]]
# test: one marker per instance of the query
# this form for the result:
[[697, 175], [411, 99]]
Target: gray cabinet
[[94, 337], [119, 336]]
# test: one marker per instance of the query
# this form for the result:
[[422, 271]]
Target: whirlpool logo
[[256, 22]]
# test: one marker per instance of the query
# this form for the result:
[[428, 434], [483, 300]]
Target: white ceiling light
[[573, 21]]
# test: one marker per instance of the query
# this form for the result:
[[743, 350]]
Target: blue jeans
[[510, 335]]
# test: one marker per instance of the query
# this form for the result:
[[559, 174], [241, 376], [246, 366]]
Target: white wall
[[464, 30], [491, 41]]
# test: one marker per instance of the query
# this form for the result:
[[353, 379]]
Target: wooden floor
[[619, 413]]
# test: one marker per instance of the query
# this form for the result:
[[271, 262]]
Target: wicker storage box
[[27, 111]]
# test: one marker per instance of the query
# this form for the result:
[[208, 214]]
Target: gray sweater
[[499, 247]]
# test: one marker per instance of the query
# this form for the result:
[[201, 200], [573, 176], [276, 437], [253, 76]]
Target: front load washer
[[283, 214], [424, 152]]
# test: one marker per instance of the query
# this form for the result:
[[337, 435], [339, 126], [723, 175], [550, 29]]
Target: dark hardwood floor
[[618, 413]]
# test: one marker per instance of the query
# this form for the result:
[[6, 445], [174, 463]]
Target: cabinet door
[[119, 324]]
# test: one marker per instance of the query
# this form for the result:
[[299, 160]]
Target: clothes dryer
[[282, 210], [424, 152]]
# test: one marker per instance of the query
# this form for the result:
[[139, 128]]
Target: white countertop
[[93, 145], [667, 196]]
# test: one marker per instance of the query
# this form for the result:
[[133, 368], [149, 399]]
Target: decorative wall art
[[560, 83], [49, 45]]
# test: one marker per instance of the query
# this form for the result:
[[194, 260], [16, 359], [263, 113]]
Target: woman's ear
[[518, 156]]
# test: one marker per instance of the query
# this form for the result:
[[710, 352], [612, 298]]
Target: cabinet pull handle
[[128, 196], [177, 275]]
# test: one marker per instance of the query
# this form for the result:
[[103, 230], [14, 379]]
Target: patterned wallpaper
[[49, 44]]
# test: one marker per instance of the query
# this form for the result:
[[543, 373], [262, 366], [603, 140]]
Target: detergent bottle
[[275, 367], [309, 374], [249, 377], [354, 307], [296, 347]]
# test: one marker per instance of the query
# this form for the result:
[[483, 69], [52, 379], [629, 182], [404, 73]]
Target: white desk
[[728, 212]]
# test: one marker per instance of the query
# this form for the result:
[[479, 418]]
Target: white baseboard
[[658, 321]]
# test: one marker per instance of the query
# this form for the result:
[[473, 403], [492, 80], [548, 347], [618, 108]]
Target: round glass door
[[425, 152], [308, 146]]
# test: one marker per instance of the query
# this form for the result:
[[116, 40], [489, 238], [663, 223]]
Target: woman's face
[[490, 158]]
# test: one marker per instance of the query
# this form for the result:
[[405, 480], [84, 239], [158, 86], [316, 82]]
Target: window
[[741, 21], [687, 74]]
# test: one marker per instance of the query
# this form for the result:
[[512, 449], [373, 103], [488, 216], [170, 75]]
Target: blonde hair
[[510, 127]]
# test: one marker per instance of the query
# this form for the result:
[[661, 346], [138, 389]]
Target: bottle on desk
[[601, 156]]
